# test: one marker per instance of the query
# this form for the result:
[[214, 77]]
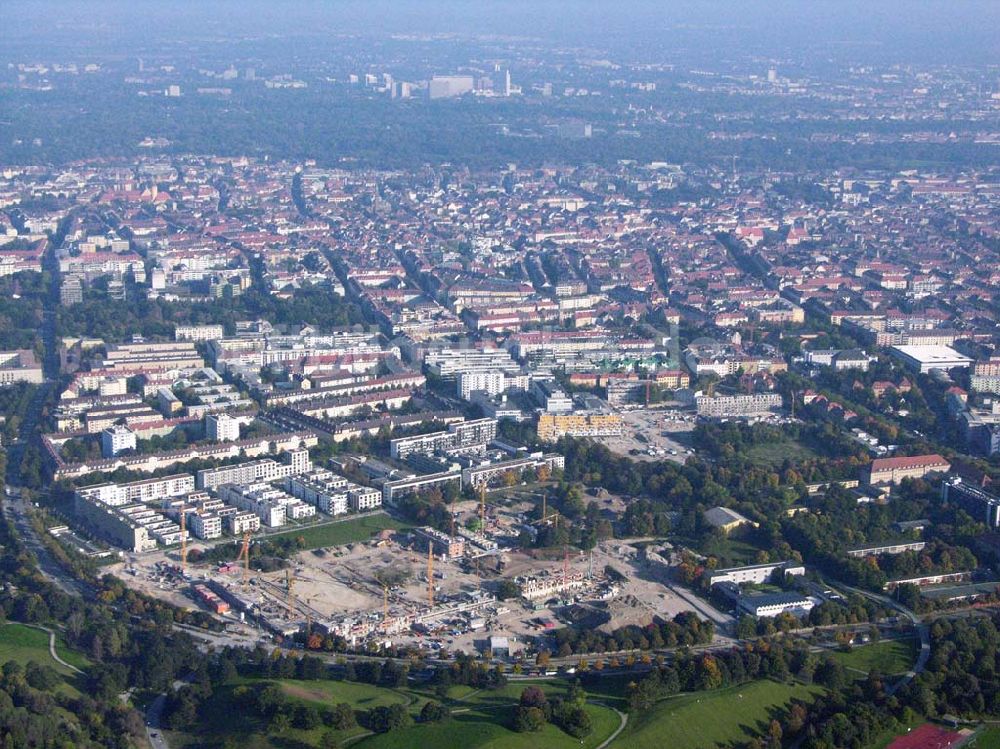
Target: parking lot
[[651, 434]]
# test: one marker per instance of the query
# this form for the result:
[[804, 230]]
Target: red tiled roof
[[914, 461]]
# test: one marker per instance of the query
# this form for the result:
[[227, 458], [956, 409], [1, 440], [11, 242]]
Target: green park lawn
[[485, 727], [989, 738], [773, 454], [24, 644], [480, 719], [343, 532], [360, 696], [887, 657], [712, 719]]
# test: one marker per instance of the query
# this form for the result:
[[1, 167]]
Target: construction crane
[[289, 586], [545, 518], [385, 604], [244, 556], [430, 574], [482, 508], [184, 546]]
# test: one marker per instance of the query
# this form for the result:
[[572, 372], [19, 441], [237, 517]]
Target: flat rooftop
[[930, 355]]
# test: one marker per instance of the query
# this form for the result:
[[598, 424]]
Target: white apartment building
[[149, 490], [222, 427], [364, 498], [255, 471], [756, 404], [198, 333], [204, 525], [462, 435], [448, 363], [323, 489], [116, 440], [492, 383], [272, 505], [243, 522]]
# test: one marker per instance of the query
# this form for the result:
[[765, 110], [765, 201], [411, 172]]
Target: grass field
[[774, 453], [734, 550], [344, 532], [360, 696], [887, 657], [24, 644], [485, 728], [715, 719], [480, 719], [989, 738]]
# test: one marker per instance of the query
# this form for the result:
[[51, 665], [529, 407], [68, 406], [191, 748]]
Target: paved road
[[154, 729], [16, 510]]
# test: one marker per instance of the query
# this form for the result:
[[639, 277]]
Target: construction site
[[419, 586]]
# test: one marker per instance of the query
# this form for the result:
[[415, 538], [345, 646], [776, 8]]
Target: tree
[[575, 721], [279, 723], [434, 712], [529, 719], [41, 676], [508, 589], [774, 734], [306, 717], [533, 697], [343, 717], [384, 718], [746, 627], [329, 740]]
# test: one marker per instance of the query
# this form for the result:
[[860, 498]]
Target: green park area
[[705, 720], [774, 454], [887, 657], [483, 718], [480, 719], [341, 532], [24, 645], [988, 738]]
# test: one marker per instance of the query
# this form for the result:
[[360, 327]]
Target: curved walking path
[[52, 646], [623, 721]]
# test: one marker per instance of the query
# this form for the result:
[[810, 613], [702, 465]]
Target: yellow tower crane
[[430, 574], [184, 546], [244, 556]]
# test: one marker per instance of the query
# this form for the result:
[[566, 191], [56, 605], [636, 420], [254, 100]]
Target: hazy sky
[[908, 30]]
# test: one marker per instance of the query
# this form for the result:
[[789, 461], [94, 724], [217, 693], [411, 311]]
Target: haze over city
[[501, 374]]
